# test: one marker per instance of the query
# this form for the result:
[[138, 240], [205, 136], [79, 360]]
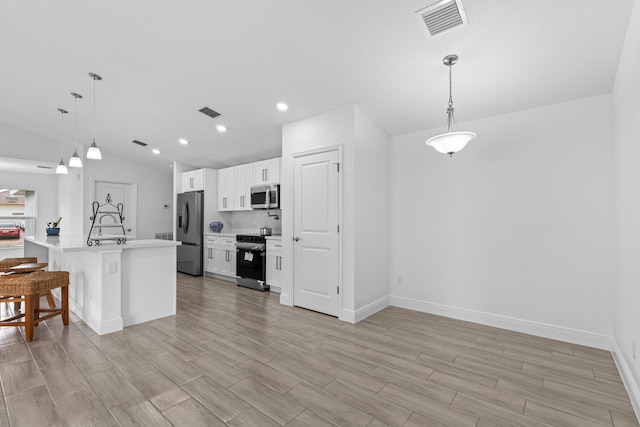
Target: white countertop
[[77, 243]]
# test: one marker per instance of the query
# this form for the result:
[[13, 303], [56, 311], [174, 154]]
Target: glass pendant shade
[[450, 142], [94, 152], [62, 169], [75, 161]]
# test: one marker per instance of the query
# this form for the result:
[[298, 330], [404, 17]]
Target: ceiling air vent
[[209, 112], [443, 16], [140, 143]]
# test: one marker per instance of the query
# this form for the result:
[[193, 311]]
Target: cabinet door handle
[[266, 174], [190, 182], [242, 201], [224, 202]]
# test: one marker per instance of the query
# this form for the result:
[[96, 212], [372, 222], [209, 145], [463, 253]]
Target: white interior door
[[120, 193], [316, 241]]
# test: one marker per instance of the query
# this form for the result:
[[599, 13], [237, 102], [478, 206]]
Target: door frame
[[133, 186], [319, 150]]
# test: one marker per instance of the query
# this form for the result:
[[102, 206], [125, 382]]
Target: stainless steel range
[[251, 261]]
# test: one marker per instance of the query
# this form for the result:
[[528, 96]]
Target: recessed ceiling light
[[282, 106], [183, 141], [221, 128], [155, 151]]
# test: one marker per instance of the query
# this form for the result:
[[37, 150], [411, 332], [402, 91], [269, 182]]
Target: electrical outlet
[[112, 267], [399, 280]]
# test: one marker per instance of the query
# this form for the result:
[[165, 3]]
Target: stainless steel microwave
[[265, 197]]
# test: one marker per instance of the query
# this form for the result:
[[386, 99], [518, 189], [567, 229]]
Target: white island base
[[113, 286]]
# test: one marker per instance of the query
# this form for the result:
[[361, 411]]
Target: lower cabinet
[[220, 255], [274, 265]]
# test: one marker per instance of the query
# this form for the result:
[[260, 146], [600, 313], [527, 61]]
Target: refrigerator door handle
[[185, 228]]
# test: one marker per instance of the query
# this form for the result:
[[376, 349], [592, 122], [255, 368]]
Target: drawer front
[[212, 240], [274, 246], [228, 241]]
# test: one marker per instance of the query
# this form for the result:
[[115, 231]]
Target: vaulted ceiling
[[162, 60]]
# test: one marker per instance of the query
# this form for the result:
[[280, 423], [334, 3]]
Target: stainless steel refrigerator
[[189, 232]]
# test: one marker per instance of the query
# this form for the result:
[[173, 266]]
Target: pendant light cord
[[94, 109], [75, 123], [61, 134], [450, 118]]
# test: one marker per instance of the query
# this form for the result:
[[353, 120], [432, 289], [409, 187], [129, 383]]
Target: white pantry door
[[315, 232], [127, 194]]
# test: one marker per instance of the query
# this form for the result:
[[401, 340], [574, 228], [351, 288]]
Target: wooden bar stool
[[27, 288], [7, 264]]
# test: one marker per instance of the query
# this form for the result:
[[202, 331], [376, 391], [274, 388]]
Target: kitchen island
[[113, 286]]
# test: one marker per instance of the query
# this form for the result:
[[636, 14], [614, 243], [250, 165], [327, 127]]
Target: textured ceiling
[[161, 61]]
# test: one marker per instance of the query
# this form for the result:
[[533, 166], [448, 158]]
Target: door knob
[[295, 239]]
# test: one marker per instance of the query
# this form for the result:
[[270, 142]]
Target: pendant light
[[452, 141], [75, 161], [62, 169], [94, 152]]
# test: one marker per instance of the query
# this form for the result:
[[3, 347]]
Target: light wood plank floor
[[234, 356]]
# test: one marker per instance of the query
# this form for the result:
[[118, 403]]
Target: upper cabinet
[[226, 189], [266, 172], [193, 180], [244, 180], [234, 183]]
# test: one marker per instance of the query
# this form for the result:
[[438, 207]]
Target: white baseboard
[[633, 388], [362, 313], [106, 327], [555, 332], [285, 299]]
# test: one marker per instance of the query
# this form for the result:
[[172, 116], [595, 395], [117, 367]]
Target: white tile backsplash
[[251, 221]]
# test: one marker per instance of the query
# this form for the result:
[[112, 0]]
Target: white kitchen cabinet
[[274, 265], [244, 180], [228, 256], [226, 189], [266, 172], [212, 254], [193, 180], [220, 255]]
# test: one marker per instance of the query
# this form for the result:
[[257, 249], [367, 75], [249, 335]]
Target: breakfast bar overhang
[[111, 285]]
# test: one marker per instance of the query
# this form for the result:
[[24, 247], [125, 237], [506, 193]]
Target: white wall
[[71, 206], [364, 172], [329, 129], [516, 229], [155, 188], [626, 101], [371, 208]]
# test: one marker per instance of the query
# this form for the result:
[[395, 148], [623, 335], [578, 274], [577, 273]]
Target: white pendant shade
[[450, 142], [62, 169], [94, 152], [75, 161]]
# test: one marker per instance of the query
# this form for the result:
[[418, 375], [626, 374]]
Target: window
[[17, 216]]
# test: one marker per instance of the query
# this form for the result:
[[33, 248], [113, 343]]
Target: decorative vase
[[216, 227], [53, 231]]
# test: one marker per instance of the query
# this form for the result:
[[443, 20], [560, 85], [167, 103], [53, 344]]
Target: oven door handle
[[250, 246]]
